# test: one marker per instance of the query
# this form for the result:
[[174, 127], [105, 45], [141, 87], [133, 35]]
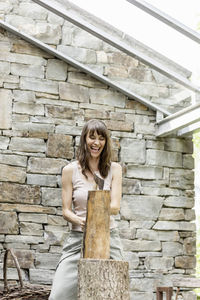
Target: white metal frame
[[186, 121], [189, 130], [165, 18], [176, 122], [117, 43], [83, 68], [182, 122]]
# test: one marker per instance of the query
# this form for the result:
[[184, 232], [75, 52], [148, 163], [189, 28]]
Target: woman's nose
[[96, 141]]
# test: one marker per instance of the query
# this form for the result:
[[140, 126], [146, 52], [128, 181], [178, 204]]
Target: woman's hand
[[82, 223]]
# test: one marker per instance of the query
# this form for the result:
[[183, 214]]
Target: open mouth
[[94, 149]]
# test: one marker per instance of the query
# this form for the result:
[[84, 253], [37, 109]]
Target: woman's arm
[[67, 197], [116, 188]]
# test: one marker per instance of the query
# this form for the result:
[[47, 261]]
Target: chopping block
[[100, 277]]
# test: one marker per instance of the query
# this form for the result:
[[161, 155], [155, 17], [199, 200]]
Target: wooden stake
[[96, 242]]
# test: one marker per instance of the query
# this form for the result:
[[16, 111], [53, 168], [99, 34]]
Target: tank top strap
[[110, 173], [108, 179], [75, 173]]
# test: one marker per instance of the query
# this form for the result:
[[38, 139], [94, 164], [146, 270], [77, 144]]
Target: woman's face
[[95, 143]]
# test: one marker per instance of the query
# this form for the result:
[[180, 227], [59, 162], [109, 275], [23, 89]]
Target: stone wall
[[43, 105]]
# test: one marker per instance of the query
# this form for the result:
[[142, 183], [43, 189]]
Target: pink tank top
[[81, 186]]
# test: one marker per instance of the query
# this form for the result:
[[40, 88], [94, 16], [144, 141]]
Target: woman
[[78, 177]]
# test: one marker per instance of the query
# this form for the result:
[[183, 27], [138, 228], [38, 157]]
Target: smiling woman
[[95, 143], [95, 136], [79, 177]]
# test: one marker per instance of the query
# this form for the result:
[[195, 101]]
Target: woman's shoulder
[[115, 166], [115, 169], [68, 169]]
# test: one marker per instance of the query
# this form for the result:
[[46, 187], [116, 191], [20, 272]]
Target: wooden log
[[100, 279], [96, 242]]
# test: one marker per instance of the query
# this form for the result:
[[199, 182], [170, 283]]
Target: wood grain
[[96, 242], [100, 279]]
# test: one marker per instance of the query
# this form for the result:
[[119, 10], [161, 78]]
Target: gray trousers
[[65, 280]]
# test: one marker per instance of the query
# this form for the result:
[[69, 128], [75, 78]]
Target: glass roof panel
[[150, 31]]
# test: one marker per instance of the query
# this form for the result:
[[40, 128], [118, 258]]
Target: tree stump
[[100, 278]]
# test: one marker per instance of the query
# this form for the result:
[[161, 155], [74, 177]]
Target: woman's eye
[[102, 138]]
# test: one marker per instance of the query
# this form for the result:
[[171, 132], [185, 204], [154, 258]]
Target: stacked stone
[[96, 54], [43, 105]]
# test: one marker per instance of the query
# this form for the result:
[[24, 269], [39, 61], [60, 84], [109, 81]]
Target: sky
[[153, 33]]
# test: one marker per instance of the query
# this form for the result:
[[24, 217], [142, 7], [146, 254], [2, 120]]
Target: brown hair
[[83, 153]]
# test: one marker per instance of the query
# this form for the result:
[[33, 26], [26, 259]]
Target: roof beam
[[83, 68], [117, 43], [189, 129], [163, 17], [179, 120]]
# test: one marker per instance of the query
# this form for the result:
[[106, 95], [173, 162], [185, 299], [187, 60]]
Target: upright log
[[100, 278], [97, 231]]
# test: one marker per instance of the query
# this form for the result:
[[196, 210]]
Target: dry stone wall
[[43, 105], [98, 55]]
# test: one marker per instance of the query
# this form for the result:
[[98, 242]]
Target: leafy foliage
[[196, 155], [196, 142]]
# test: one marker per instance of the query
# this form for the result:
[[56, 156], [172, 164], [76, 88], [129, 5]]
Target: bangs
[[98, 127]]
